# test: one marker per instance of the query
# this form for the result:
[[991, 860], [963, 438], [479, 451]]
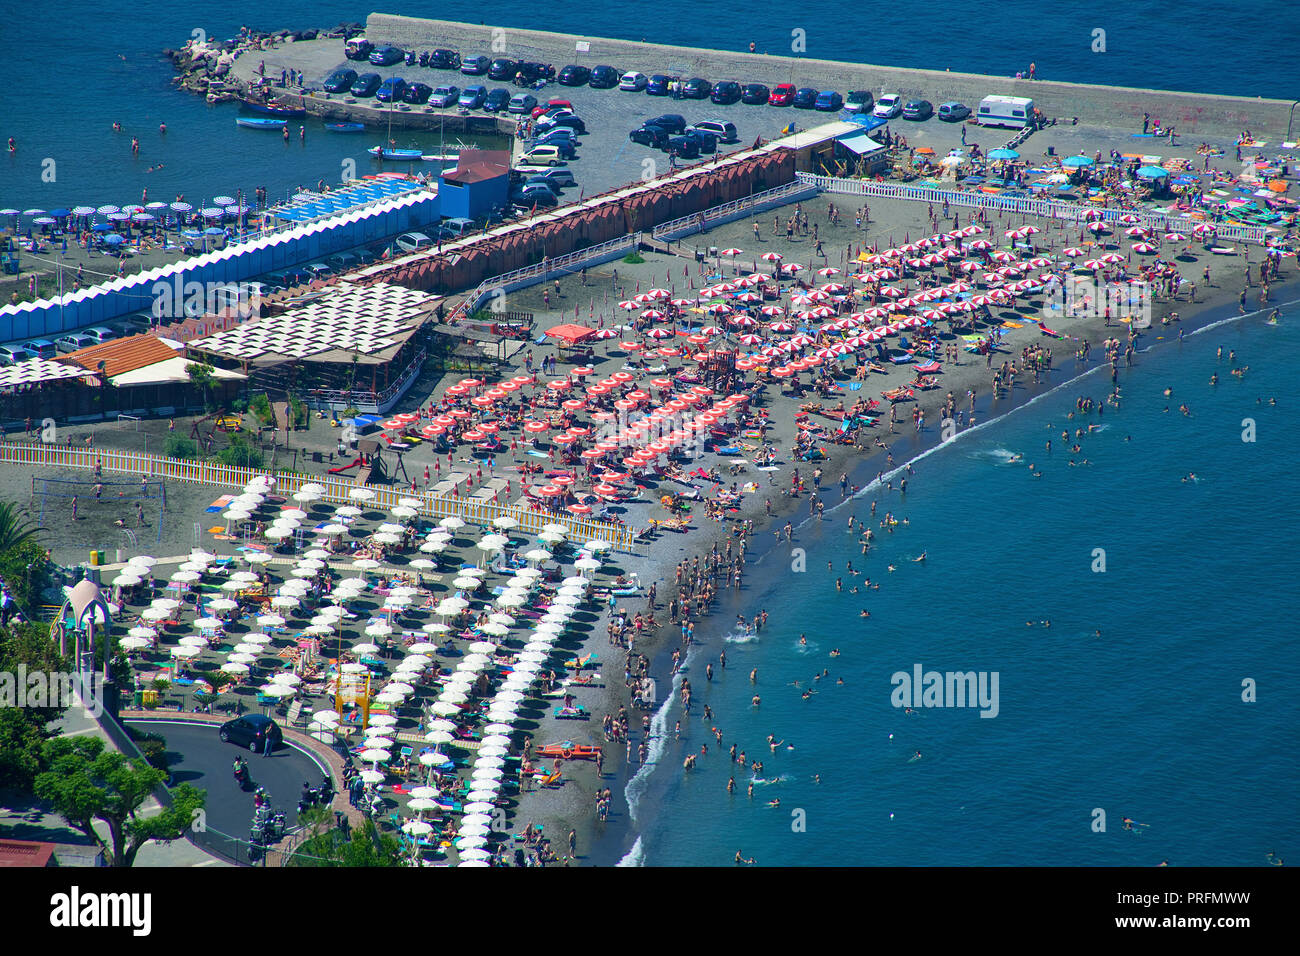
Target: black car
[[340, 81], [359, 50], [387, 56], [532, 71], [671, 122], [571, 122], [657, 85], [444, 60], [687, 147], [535, 195], [574, 75], [604, 78], [918, 110], [502, 69], [497, 100], [417, 93], [755, 94], [366, 84], [653, 136], [250, 731], [805, 98], [725, 92], [696, 89]]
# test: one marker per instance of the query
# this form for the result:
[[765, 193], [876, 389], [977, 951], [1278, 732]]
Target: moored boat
[[388, 152], [275, 109], [259, 122], [345, 127]]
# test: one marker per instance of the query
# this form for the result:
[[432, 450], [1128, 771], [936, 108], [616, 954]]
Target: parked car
[[889, 105], [704, 142], [472, 97], [633, 82], [687, 147], [953, 111], [358, 49], [547, 154], [475, 65], [522, 103], [100, 334], [13, 354], [417, 94], [539, 181], [696, 88], [366, 84], [530, 72], [391, 90], [755, 94], [387, 56], [318, 270], [828, 101], [653, 136], [782, 95], [551, 117], [551, 104], [251, 731], [497, 100], [574, 75], [603, 78], [342, 262], [41, 348], [534, 196], [725, 92], [724, 131], [444, 60], [444, 95], [805, 98], [340, 81], [572, 122], [918, 110], [459, 228], [412, 241], [557, 177], [671, 122], [657, 85], [859, 101], [73, 342], [502, 68]]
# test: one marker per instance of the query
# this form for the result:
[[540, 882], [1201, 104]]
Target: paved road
[[200, 758]]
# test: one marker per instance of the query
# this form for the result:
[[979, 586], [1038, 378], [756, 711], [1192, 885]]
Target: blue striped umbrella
[[181, 207], [83, 210], [105, 210]]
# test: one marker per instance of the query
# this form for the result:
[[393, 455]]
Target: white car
[[889, 106], [412, 241], [633, 82]]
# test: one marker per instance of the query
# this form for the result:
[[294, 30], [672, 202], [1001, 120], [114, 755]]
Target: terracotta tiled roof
[[122, 355]]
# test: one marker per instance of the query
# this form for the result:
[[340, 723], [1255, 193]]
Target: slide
[[343, 468]]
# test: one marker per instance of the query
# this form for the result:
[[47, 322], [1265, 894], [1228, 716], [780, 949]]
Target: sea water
[[1179, 715], [69, 77]]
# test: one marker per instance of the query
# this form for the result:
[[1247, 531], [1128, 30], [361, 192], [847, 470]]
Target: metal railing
[[569, 263], [337, 490], [686, 225], [1023, 206]]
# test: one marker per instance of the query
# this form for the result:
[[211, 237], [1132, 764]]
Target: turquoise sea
[[1146, 721], [79, 66]]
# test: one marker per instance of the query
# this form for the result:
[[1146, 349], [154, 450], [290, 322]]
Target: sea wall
[[1191, 113]]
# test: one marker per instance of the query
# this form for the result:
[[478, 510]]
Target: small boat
[[568, 750], [345, 127], [385, 152], [275, 109], [259, 122]]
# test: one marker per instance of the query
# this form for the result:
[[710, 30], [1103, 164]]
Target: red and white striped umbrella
[[1143, 247], [1175, 237], [981, 244], [1096, 227], [743, 322], [1073, 252], [1093, 264], [772, 310], [710, 330], [780, 327], [653, 314], [972, 230], [1137, 232], [682, 303], [891, 291], [876, 259], [606, 334], [790, 268], [1204, 229], [828, 271], [832, 288], [732, 252], [1003, 257], [771, 257], [629, 305], [749, 297], [659, 334], [751, 339], [644, 297], [1111, 258], [659, 293], [1130, 217]]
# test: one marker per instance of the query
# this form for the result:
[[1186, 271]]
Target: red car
[[782, 95], [539, 109]]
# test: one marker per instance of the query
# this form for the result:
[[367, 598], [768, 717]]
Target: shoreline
[[622, 844]]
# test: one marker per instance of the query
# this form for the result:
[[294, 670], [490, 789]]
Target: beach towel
[[854, 386], [220, 503]]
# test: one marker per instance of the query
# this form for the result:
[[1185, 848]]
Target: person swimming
[[921, 557]]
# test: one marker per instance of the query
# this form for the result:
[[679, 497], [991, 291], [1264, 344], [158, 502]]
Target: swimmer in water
[[740, 859], [775, 802], [920, 558], [835, 652], [917, 755], [756, 701], [864, 613], [892, 568]]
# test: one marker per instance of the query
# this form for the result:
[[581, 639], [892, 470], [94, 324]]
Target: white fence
[[736, 209], [1023, 206]]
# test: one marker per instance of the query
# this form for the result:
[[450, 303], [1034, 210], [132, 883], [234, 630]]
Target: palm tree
[[14, 529]]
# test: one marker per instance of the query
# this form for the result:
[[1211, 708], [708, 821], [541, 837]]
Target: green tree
[[86, 783], [367, 846], [14, 527], [203, 377], [24, 731], [26, 572], [240, 452], [178, 446], [260, 406]]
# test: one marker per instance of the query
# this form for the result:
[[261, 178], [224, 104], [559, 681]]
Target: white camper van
[[1015, 112]]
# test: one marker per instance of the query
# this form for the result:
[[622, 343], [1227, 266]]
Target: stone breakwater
[[1121, 107]]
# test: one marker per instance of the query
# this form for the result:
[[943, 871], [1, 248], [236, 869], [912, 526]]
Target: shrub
[[634, 258], [178, 446]]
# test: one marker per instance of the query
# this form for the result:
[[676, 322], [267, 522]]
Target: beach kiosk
[[1013, 112]]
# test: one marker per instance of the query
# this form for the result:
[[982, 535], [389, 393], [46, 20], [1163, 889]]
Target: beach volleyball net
[[147, 489]]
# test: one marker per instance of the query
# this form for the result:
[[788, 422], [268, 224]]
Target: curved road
[[199, 758]]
